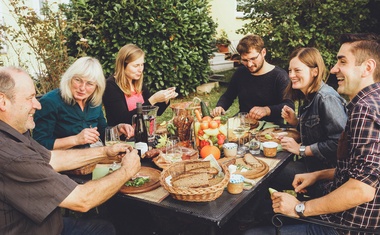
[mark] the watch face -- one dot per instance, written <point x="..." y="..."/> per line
<point x="300" y="207"/>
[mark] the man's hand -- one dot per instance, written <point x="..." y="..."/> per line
<point x="302" y="181"/>
<point x="118" y="150"/>
<point x="259" y="112"/>
<point x="126" y="129"/>
<point x="87" y="136"/>
<point x="284" y="203"/>
<point x="217" y="111"/>
<point x="131" y="162"/>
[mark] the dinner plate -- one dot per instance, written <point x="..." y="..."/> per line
<point x="154" y="181"/>
<point x="187" y="154"/>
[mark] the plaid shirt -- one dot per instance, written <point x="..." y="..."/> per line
<point x="362" y="158"/>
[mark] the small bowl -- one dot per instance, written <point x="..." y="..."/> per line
<point x="230" y="149"/>
<point x="270" y="149"/>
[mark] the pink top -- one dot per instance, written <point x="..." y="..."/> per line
<point x="133" y="100"/>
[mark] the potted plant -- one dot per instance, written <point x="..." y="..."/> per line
<point x="222" y="42"/>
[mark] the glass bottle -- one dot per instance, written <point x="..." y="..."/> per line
<point x="141" y="134"/>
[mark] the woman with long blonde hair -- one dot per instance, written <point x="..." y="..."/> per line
<point x="125" y="88"/>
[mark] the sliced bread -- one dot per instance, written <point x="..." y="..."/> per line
<point x="251" y="160"/>
<point x="197" y="164"/>
<point x="210" y="170"/>
<point x="191" y="180"/>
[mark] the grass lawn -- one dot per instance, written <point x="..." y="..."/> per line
<point x="212" y="98"/>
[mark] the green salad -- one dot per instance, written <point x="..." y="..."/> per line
<point x="137" y="182"/>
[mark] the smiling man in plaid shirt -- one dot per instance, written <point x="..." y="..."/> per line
<point x="354" y="197"/>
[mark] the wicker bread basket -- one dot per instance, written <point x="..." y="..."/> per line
<point x="200" y="194"/>
<point x="84" y="170"/>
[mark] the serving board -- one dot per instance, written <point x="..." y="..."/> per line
<point x="154" y="181"/>
<point x="274" y="132"/>
<point x="162" y="163"/>
<point x="254" y="172"/>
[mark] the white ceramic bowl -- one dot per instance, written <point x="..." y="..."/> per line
<point x="230" y="149"/>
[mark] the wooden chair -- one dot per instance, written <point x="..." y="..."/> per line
<point x="277" y="221"/>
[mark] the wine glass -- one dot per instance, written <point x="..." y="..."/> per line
<point x="240" y="128"/>
<point x="111" y="136"/>
<point x="173" y="151"/>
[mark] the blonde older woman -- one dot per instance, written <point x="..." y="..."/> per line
<point x="72" y="116"/>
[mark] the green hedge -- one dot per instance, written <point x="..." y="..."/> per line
<point x="288" y="24"/>
<point x="176" y="36"/>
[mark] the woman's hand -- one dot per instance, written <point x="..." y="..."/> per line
<point x="87" y="136"/>
<point x="163" y="96"/>
<point x="290" y="145"/>
<point x="289" y="115"/>
<point x="126" y="129"/>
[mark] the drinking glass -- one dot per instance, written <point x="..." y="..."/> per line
<point x="240" y="128"/>
<point x="173" y="151"/>
<point x="246" y="126"/>
<point x="111" y="136"/>
<point x="254" y="145"/>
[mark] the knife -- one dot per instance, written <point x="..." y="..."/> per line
<point x="262" y="127"/>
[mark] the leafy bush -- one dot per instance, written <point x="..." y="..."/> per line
<point x="45" y="36"/>
<point x="176" y="36"/>
<point x="287" y="24"/>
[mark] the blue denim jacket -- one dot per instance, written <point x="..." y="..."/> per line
<point x="321" y="121"/>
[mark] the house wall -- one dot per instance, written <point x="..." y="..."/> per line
<point x="224" y="14"/>
<point x="20" y="54"/>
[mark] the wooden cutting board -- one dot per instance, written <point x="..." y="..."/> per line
<point x="154" y="181"/>
<point x="253" y="173"/>
<point x="274" y="132"/>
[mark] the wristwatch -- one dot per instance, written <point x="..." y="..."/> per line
<point x="300" y="208"/>
<point x="302" y="151"/>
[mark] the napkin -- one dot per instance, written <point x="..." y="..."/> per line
<point x="100" y="171"/>
<point x="264" y="125"/>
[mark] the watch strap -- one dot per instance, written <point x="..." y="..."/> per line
<point x="302" y="151"/>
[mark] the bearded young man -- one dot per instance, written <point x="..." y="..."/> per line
<point x="258" y="85"/>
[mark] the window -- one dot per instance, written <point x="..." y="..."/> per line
<point x="240" y="6"/>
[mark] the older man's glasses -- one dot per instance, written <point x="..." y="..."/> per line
<point x="246" y="61"/>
